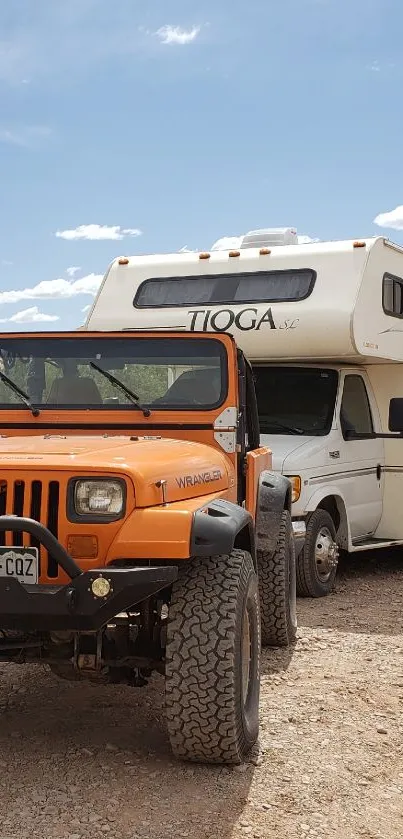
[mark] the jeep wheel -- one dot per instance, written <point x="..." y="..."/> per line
<point x="317" y="562"/>
<point x="277" y="589"/>
<point x="213" y="660"/>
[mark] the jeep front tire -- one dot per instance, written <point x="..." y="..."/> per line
<point x="213" y="660"/>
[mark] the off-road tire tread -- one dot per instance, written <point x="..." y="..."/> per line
<point x="278" y="629"/>
<point x="200" y="660"/>
<point x="308" y="582"/>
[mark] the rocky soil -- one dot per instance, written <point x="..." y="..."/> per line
<point x="79" y="761"/>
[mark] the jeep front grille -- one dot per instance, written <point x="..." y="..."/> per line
<point x="37" y="500"/>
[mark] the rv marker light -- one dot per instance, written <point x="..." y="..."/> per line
<point x="234" y="253"/>
<point x="124" y="260"/>
<point x="204" y="256"/>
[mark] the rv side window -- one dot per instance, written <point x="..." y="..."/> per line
<point x="355" y="411"/>
<point x="246" y="287"/>
<point x="392" y="292"/>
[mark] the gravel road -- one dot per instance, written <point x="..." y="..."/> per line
<point x="81" y="761"/>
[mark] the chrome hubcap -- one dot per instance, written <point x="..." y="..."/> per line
<point x="326" y="553"/>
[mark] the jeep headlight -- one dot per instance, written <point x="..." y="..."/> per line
<point x="296" y="487"/>
<point x="99" y="497"/>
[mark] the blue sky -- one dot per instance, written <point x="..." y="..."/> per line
<point x="185" y="122"/>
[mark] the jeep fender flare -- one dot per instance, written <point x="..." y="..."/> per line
<point x="274" y="496"/>
<point x="220" y="527"/>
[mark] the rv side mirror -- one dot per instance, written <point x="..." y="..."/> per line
<point x="396" y="415"/>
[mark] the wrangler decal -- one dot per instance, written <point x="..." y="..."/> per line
<point x="200" y="478"/>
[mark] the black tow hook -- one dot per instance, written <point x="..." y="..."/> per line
<point x="71" y="599"/>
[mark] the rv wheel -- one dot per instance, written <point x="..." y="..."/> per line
<point x="317" y="562"/>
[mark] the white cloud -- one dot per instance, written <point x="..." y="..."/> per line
<point x="64" y="41"/>
<point x="185" y="249"/>
<point x="32" y="315"/>
<point x="25" y="136"/>
<point x="86" y="309"/>
<point x="393" y="219"/>
<point x="6" y="262"/>
<point x="73" y="270"/>
<point x="176" y="35"/>
<point x="54" y="289"/>
<point x="98" y="232"/>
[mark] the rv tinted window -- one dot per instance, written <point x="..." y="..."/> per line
<point x="392" y="296"/>
<point x="295" y="400"/>
<point x="71" y="373"/>
<point x="248" y="287"/>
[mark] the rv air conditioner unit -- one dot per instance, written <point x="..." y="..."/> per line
<point x="270" y="237"/>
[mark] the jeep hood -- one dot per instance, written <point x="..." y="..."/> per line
<point x="190" y="469"/>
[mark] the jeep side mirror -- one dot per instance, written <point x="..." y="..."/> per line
<point x="396" y="415"/>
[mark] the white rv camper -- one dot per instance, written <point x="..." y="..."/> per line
<point x="322" y="325"/>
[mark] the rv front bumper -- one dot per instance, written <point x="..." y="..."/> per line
<point x="87" y="602"/>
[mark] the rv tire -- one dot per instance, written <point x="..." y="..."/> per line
<point x="317" y="562"/>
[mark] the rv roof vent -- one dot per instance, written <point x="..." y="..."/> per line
<point x="270" y="237"/>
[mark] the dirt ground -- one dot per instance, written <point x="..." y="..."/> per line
<point x="81" y="761"/>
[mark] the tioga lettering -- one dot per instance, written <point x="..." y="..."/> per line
<point x="200" y="478"/>
<point x="221" y="321"/>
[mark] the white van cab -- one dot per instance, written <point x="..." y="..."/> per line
<point x="322" y="325"/>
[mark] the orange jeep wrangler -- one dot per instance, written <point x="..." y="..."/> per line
<point x="141" y="528"/>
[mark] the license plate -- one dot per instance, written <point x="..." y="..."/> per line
<point x="19" y="564"/>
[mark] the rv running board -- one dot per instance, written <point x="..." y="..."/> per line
<point x="369" y="544"/>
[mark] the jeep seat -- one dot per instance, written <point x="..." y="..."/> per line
<point x="74" y="390"/>
<point x="200" y="386"/>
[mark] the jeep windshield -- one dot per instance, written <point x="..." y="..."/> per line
<point x="295" y="400"/>
<point x="110" y="373"/>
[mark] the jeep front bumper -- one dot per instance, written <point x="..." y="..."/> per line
<point x="73" y="606"/>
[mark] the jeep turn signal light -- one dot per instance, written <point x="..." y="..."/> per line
<point x="82" y="547"/>
<point x="296" y="487"/>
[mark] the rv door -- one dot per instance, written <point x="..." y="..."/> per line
<point x="361" y="459"/>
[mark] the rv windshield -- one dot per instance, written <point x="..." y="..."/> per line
<point x="112" y="373"/>
<point x="295" y="400"/>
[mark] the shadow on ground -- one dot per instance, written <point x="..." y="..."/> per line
<point x="110" y="745"/>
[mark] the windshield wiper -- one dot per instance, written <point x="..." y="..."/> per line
<point x="21" y="393"/>
<point x="129" y="393"/>
<point x="289" y="429"/>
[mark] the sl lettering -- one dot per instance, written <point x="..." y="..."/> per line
<point x="222" y="320"/>
<point x="289" y="324"/>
